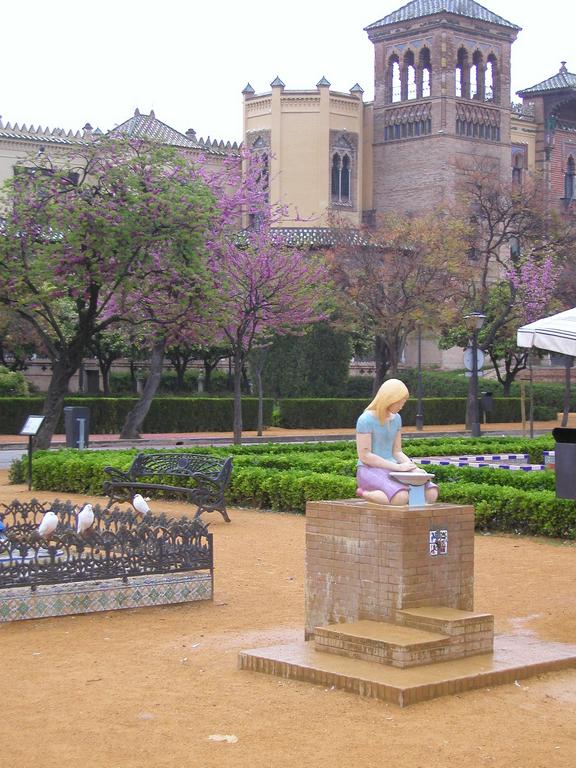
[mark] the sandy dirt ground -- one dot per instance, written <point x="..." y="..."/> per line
<point x="147" y="688"/>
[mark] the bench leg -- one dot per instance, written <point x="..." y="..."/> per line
<point x="223" y="512"/>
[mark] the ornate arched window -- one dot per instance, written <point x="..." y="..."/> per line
<point x="341" y="178"/>
<point x="335" y="175"/>
<point x="393" y="80"/>
<point x="425" y="73"/>
<point x="409" y="77"/>
<point x="492" y="80"/>
<point x="260" y="156"/>
<point x="462" y="74"/>
<point x="517" y="168"/>
<point x="345" y="179"/>
<point x="477" y="77"/>
<point x="342" y="168"/>
<point x="569" y="186"/>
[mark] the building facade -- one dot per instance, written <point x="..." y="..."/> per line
<point x="442" y="102"/>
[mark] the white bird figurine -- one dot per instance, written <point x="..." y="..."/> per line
<point x="48" y="524"/>
<point x="140" y="505"/>
<point x="85" y="519"/>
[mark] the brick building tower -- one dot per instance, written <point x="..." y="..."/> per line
<point x="552" y="105"/>
<point x="442" y="100"/>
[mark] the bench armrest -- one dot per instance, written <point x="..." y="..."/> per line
<point x="117" y="475"/>
<point x="210" y="479"/>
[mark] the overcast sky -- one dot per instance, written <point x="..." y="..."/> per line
<point x="68" y="62"/>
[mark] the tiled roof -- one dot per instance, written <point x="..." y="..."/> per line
<point x="43" y="135"/>
<point x="419" y="8"/>
<point x="140" y="126"/>
<point x="559" y="82"/>
<point x="149" y="127"/>
<point x="318" y="237"/>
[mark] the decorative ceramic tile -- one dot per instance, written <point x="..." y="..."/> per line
<point x="107" y="595"/>
<point x="438" y="542"/>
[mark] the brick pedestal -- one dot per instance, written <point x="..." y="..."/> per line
<point x="367" y="561"/>
<point x="389" y="598"/>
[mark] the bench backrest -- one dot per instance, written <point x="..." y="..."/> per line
<point x="180" y="465"/>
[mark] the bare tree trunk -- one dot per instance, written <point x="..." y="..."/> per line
<point x="259" y="357"/>
<point x="238" y="368"/>
<point x="135" y="418"/>
<point x="133" y="382"/>
<point x="62" y="372"/>
<point x="105" y="368"/>
<point x="381" y="360"/>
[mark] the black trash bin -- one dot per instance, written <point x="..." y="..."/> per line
<point x="77" y="426"/>
<point x="486" y="402"/>
<point x="565" y="462"/>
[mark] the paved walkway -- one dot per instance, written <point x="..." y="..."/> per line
<point x="276" y="434"/>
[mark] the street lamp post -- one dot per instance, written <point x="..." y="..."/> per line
<point x="419" y="414"/>
<point x="475" y="322"/>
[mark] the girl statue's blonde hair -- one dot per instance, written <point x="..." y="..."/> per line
<point x="392" y="391"/>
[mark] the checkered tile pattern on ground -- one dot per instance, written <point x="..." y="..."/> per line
<point x="513" y="461"/>
<point x="108" y="595"/>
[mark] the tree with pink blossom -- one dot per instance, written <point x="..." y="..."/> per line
<point x="83" y="247"/>
<point x="267" y="288"/>
<point x="516" y="249"/>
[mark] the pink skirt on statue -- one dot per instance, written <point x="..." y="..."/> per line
<point x="378" y="479"/>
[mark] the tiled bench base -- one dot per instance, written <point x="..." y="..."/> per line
<point x="107" y="595"/>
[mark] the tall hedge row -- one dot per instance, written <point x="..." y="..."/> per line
<point x="343" y="412"/>
<point x="167" y="414"/>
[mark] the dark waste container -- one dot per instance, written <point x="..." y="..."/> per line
<point x="77" y="426"/>
<point x="565" y="461"/>
<point x="486" y="402"/>
<point x="92" y="382"/>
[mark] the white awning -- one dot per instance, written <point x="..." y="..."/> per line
<point x="556" y="333"/>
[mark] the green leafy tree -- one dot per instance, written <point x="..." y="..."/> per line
<point x="404" y="273"/>
<point x="515" y="252"/>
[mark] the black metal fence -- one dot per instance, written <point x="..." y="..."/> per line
<point x="118" y="545"/>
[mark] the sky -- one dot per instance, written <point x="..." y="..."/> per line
<point x="66" y="63"/>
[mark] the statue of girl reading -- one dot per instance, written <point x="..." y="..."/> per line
<point x="379" y="446"/>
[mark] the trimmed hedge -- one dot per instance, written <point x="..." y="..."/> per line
<point x="167" y="414"/>
<point x="285" y="477"/>
<point x="332" y="413"/>
<point x="12" y="383"/>
<point x="121" y="383"/>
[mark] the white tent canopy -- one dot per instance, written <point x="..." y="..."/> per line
<point x="556" y="333"/>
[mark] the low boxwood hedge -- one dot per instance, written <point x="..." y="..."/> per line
<point x="285" y="477"/>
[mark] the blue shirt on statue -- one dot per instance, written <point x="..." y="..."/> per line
<point x="383" y="435"/>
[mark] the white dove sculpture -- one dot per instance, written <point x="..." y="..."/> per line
<point x="140" y="504"/>
<point x="48" y="524"/>
<point x="85" y="519"/>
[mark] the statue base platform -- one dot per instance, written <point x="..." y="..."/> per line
<point x="514" y="658"/>
<point x="389" y="608"/>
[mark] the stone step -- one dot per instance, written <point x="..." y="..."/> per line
<point x="383" y="642"/>
<point x="469" y="632"/>
<point x="514" y="658"/>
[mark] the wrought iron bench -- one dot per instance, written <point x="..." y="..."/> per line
<point x="158" y="471"/>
